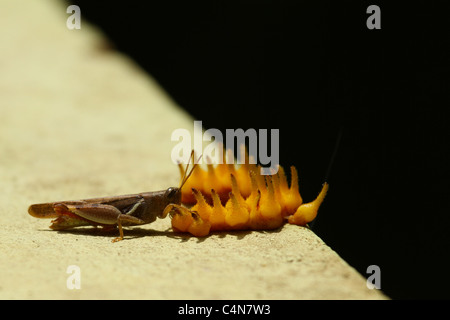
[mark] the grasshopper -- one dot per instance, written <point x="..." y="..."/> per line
<point x="124" y="210"/>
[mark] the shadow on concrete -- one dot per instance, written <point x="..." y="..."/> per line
<point x="136" y="232"/>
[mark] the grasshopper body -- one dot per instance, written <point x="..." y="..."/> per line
<point x="125" y="210"/>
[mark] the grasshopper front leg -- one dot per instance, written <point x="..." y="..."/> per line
<point x="95" y="213"/>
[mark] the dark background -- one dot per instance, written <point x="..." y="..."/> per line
<point x="312" y="69"/>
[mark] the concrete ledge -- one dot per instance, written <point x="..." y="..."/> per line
<point x="80" y="121"/>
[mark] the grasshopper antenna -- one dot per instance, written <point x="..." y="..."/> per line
<point x="185" y="170"/>
<point x="330" y="165"/>
<point x="187" y="175"/>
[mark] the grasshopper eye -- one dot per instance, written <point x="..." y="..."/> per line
<point x="170" y="192"/>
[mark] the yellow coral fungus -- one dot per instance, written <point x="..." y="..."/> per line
<point x="226" y="198"/>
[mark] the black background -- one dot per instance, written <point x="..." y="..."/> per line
<point x="312" y="69"/>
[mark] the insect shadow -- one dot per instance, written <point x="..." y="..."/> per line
<point x="136" y="232"/>
<point x="132" y="233"/>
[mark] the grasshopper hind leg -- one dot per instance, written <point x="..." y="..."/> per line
<point x="128" y="218"/>
<point x="119" y="238"/>
<point x="95" y="214"/>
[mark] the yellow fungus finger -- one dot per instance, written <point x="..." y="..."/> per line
<point x="218" y="213"/>
<point x="235" y="190"/>
<point x="292" y="198"/>
<point x="181" y="219"/>
<point x="237" y="214"/>
<point x="198" y="227"/>
<point x="185" y="220"/>
<point x="202" y="207"/>
<point x="269" y="208"/>
<point x="307" y="212"/>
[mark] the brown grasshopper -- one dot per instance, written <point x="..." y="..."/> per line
<point x="125" y="210"/>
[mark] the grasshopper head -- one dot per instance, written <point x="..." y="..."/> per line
<point x="173" y="195"/>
